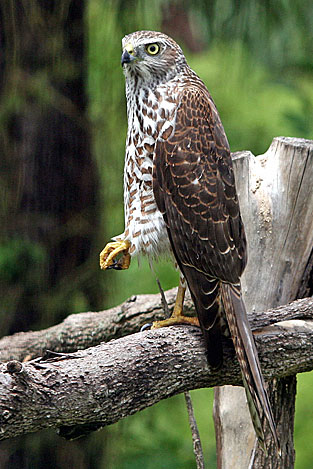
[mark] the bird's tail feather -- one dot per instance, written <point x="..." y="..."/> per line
<point x="247" y="355"/>
<point x="205" y="292"/>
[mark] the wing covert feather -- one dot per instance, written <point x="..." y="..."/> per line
<point x="194" y="188"/>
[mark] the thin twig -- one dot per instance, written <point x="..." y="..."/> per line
<point x="197" y="447"/>
<point x="163" y="299"/>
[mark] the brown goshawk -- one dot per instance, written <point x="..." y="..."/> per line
<point x="180" y="197"/>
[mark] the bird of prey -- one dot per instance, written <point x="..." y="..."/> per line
<point x="180" y="197"/>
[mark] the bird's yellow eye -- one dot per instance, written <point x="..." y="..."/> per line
<point x="153" y="49"/>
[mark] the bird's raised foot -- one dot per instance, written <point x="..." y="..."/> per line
<point x="111" y="251"/>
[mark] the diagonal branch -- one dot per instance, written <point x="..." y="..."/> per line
<point x="83" y="330"/>
<point x="102" y="384"/>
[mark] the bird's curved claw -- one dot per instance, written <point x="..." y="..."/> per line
<point x="146" y="327"/>
<point x="116" y="266"/>
<point x="111" y="251"/>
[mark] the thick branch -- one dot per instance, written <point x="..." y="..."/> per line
<point x="103" y="384"/>
<point x="83" y="330"/>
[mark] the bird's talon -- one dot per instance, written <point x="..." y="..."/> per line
<point x="146" y="327"/>
<point x="111" y="251"/>
<point x="112" y="266"/>
<point x="176" y="320"/>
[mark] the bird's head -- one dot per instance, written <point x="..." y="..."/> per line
<point x="151" y="56"/>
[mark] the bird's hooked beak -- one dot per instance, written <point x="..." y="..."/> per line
<point x="128" y="54"/>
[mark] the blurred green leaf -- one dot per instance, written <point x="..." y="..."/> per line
<point x="21" y="261"/>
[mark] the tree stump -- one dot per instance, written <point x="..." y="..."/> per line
<point x="276" y="201"/>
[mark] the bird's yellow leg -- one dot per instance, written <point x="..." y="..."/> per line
<point x="177" y="315"/>
<point x="111" y="251"/>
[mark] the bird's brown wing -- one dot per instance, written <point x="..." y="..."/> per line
<point x="194" y="188"/>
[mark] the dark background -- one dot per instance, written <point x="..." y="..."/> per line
<point x="62" y="134"/>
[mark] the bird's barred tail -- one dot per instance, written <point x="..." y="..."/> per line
<point x="205" y="292"/>
<point x="257" y="397"/>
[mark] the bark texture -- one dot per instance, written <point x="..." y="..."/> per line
<point x="79" y="331"/>
<point x="82" y="330"/>
<point x="104" y="383"/>
<point x="98" y="386"/>
<point x="276" y="203"/>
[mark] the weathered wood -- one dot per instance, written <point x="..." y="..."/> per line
<point x="197" y="446"/>
<point x="68" y="392"/>
<point x="282" y="394"/>
<point x="276" y="200"/>
<point x="102" y="384"/>
<point x="82" y="330"/>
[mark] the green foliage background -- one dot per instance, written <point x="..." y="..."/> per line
<point x="262" y="85"/>
<point x="256" y="59"/>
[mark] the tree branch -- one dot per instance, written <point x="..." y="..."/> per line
<point x="197" y="446"/>
<point x="83" y="330"/>
<point x="101" y="385"/>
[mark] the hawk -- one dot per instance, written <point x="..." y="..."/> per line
<point x="180" y="197"/>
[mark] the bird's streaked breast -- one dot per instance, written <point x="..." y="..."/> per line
<point x="150" y="115"/>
